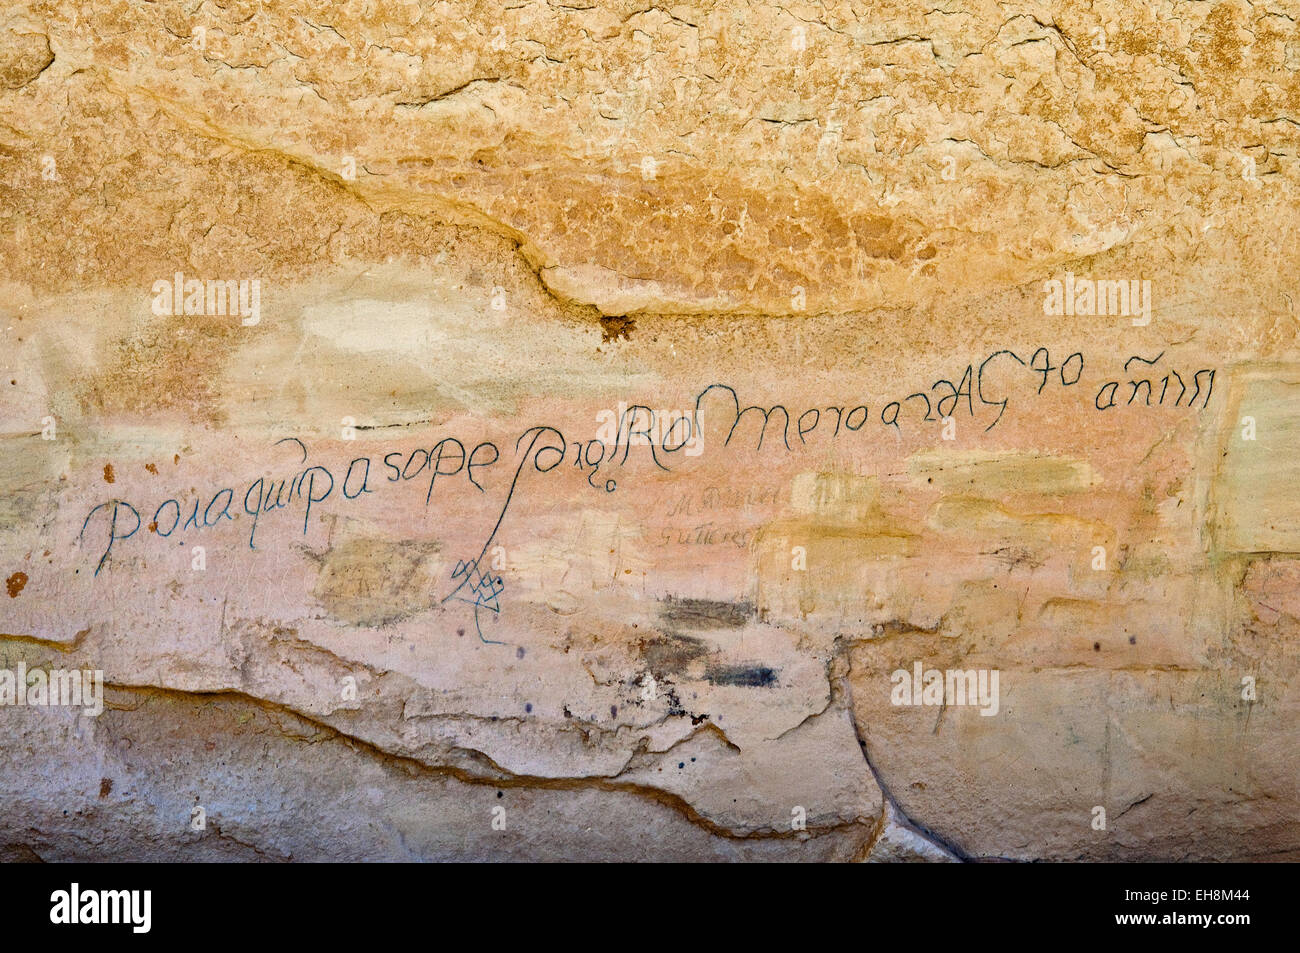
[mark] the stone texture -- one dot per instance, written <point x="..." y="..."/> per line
<point x="471" y="222"/>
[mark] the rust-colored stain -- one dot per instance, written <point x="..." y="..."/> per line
<point x="151" y="468"/>
<point x="108" y="473"/>
<point x="613" y="328"/>
<point x="105" y="786"/>
<point x="153" y="527"/>
<point x="15" y="584"/>
<point x="176" y="458"/>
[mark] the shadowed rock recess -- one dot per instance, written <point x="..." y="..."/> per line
<point x="706" y="431"/>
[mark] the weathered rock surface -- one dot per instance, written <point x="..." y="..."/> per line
<point x="494" y="243"/>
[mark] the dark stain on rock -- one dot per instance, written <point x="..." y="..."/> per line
<point x="613" y="328"/>
<point x="672" y="653"/>
<point x="108" y="473"/>
<point x="15" y="584"/>
<point x="741" y="676"/>
<point x="705" y="613"/>
<point x="152" y="468"/>
<point x="105" y="786"/>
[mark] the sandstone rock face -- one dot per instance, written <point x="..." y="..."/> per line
<point x="846" y="432"/>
